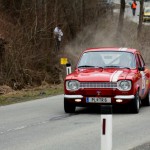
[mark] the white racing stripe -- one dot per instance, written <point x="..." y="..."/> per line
<point x="120" y="49"/>
<point x="123" y="49"/>
<point x="114" y="77"/>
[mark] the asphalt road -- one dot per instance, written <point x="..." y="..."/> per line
<point x="43" y="125"/>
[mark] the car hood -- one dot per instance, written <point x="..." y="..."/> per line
<point x="97" y="74"/>
<point x="147" y="14"/>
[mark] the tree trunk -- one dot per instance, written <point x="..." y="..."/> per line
<point x="83" y="15"/>
<point x="121" y="17"/>
<point x="140" y="19"/>
<point x="45" y="15"/>
<point x="36" y="18"/>
<point x="56" y="12"/>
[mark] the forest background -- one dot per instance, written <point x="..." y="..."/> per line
<point x="28" y="60"/>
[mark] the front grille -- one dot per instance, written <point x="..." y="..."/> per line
<point x="98" y="84"/>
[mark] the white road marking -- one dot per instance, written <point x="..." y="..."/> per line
<point x="52" y="118"/>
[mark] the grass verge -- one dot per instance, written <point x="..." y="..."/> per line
<point x="30" y="94"/>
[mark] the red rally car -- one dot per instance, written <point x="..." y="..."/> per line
<point x="109" y="76"/>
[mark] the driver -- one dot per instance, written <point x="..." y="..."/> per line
<point x="125" y="61"/>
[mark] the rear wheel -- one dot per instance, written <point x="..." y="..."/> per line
<point x="135" y="105"/>
<point x="68" y="107"/>
<point x="146" y="101"/>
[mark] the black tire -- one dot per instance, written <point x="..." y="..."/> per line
<point x="146" y="101"/>
<point x="135" y="104"/>
<point x="68" y="107"/>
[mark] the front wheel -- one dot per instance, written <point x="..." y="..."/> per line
<point x="135" y="104"/>
<point x="68" y="107"/>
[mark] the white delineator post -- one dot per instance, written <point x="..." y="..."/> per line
<point x="106" y="127"/>
<point x="68" y="68"/>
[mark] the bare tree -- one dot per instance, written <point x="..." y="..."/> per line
<point x="30" y="51"/>
<point x="83" y="12"/>
<point x="121" y="17"/>
<point x="140" y="19"/>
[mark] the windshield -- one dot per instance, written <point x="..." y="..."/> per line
<point x="107" y="59"/>
<point x="147" y="10"/>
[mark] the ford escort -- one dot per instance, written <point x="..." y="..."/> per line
<point x="108" y="76"/>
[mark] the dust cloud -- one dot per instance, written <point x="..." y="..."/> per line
<point x="99" y="34"/>
<point x="103" y="33"/>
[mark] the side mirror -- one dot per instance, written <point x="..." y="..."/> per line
<point x="141" y="68"/>
<point x="68" y="68"/>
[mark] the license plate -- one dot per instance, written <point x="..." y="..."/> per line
<point x="98" y="100"/>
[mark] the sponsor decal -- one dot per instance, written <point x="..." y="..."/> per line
<point x="143" y="81"/>
<point x="147" y="82"/>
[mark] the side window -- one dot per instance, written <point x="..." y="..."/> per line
<point x="138" y="63"/>
<point x="141" y="61"/>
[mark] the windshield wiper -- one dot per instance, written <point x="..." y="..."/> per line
<point x="88" y="66"/>
<point x="111" y="66"/>
<point x="124" y="67"/>
<point x="84" y="66"/>
<point x="116" y="67"/>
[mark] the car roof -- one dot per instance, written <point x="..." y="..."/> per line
<point x="131" y="50"/>
<point x="146" y="8"/>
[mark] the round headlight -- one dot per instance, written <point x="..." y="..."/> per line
<point x="124" y="85"/>
<point x="72" y="85"/>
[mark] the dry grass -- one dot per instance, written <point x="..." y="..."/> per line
<point x="27" y="94"/>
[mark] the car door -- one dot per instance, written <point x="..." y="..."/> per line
<point x="145" y="76"/>
<point x="140" y="76"/>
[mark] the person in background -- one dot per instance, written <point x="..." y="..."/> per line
<point x="58" y="37"/>
<point x="133" y="7"/>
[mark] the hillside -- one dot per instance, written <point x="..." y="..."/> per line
<point x="27" y="27"/>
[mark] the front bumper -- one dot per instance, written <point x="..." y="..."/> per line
<point x="146" y="18"/>
<point x="124" y="97"/>
<point x="73" y="96"/>
<point x="81" y="100"/>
